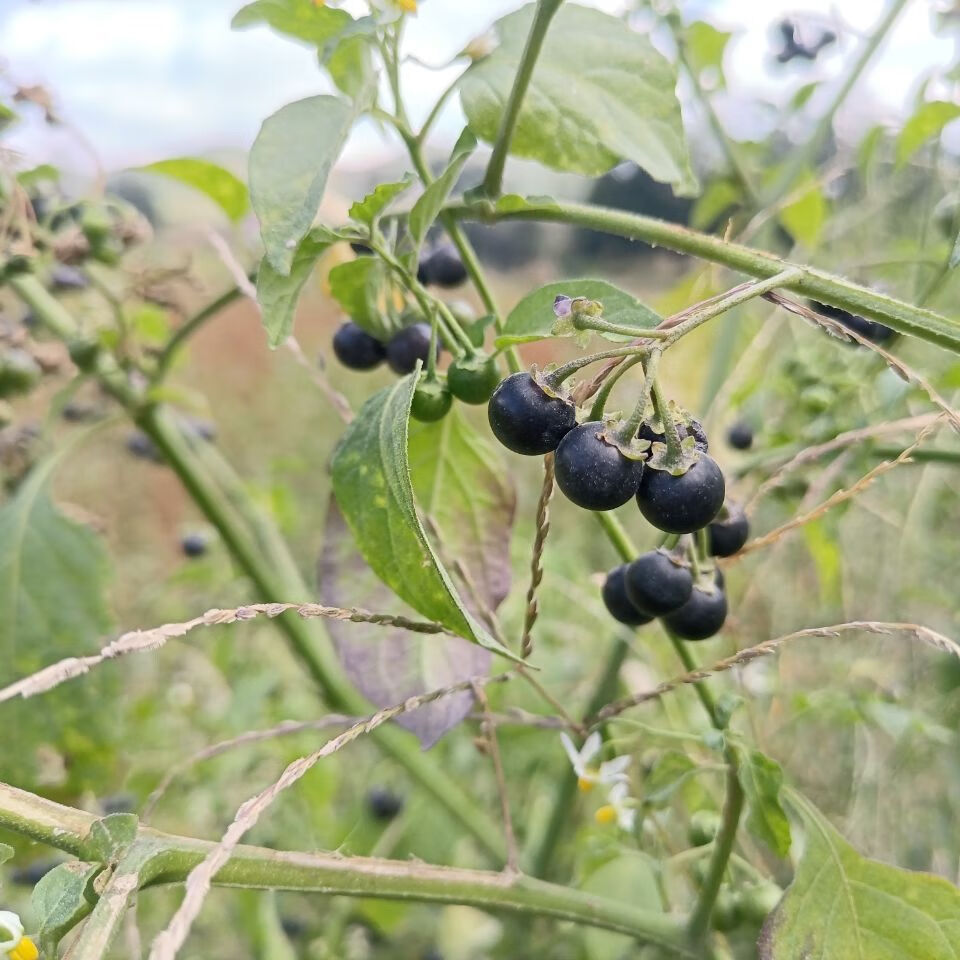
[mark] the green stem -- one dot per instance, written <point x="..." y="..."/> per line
<point x="165" y="858"/>
<point x="493" y="178"/>
<point x="600" y="402"/>
<point x="670" y="435"/>
<point x="805" y="155"/>
<point x="630" y="427"/>
<point x="437" y="107"/>
<point x="817" y="284"/>
<point x="585" y="322"/>
<point x="556" y="376"/>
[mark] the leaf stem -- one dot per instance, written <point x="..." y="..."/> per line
<point x="630" y="427"/>
<point x="493" y="178"/>
<point x="600" y="403"/>
<point x="670" y="435"/>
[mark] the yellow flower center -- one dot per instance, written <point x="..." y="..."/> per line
<point x="605" y="814"/>
<point x="26" y="949"/>
<point x="410" y="6"/>
<point x="584" y="784"/>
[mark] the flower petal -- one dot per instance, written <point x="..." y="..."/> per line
<point x="572" y="754"/>
<point x="591" y="747"/>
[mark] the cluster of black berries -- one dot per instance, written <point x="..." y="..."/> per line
<point x="597" y="471"/>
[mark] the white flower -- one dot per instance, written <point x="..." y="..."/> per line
<point x="13" y="943"/>
<point x="619" y="808"/>
<point x="608" y="773"/>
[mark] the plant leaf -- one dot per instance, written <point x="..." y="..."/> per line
<point x="278" y="294"/>
<point x="925" y="124"/>
<point x="6" y="853"/>
<point x="289" y="164"/>
<point x="427" y="207"/>
<point x="360" y="287"/>
<point x="219" y="184"/>
<point x="532" y="318"/>
<point x="842" y="906"/>
<point x="368" y="209"/>
<point x="762" y="779"/>
<point x="805" y="217"/>
<point x="61" y="899"/>
<point x="111" y="837"/>
<point x="670" y="771"/>
<point x="600" y="93"/>
<point x="371" y="481"/>
<point x="705" y="47"/>
<point x="385" y="663"/>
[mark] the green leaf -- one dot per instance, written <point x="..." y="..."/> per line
<point x="800" y="99"/>
<point x="955" y="254"/>
<point x="278" y="294"/>
<point x="532" y="318"/>
<point x="630" y="878"/>
<point x="38" y="174"/>
<point x="717" y="198"/>
<point x="374" y="203"/>
<point x="842" y="906"/>
<point x="7" y="116"/>
<point x="219" y="184"/>
<point x="705" y="46"/>
<point x="513" y="202"/>
<point x="805" y="217"/>
<point x="111" y="837"/>
<point x="925" y="124"/>
<point x="600" y="93"/>
<point x="762" y="779"/>
<point x="289" y="164"/>
<point x="669" y="773"/>
<point x="61" y="899"/>
<point x="360" y="287"/>
<point x="425" y="210"/>
<point x="371" y="481"/>
<point x="349" y="61"/>
<point x="305" y="20"/>
<point x="6" y="853"/>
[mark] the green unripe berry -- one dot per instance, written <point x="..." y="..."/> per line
<point x="704" y="827"/>
<point x="727" y="913"/>
<point x="431" y="401"/>
<point x="473" y="378"/>
<point x="18" y="373"/>
<point x="759" y="901"/>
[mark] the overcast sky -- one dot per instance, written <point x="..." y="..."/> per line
<point x="149" y="79"/>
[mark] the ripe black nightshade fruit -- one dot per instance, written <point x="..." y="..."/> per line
<point x="868" y="329"/>
<point x="356" y="349"/>
<point x="740" y="436"/>
<point x="729" y="532"/>
<point x="383" y="803"/>
<point x="473" y="378"/>
<point x="525" y="419"/>
<point x="194" y="545"/>
<point x="431" y="401"/>
<point x="442" y="267"/>
<point x="701" y="616"/>
<point x="360" y="249"/>
<point x="618" y="603"/>
<point x="682" y="504"/>
<point x="408" y="346"/>
<point x="695" y="430"/>
<point x="656" y="584"/>
<point x="32" y="873"/>
<point x="593" y="473"/>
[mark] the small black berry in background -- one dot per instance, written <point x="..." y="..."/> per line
<point x="293" y="927"/>
<point x="593" y="473"/>
<point x="431" y="401"/>
<point x="383" y="803"/>
<point x="682" y="504"/>
<point x="704" y="827"/>
<point x="618" y="603"/>
<point x="473" y="378"/>
<point x="701" y="616"/>
<point x="868" y="329"/>
<point x="432" y="954"/>
<point x="356" y="349"/>
<point x="656" y="583"/>
<point x="740" y="436"/>
<point x="525" y="419"/>
<point x="729" y="532"/>
<point x="117" y="803"/>
<point x="75" y="412"/>
<point x="408" y="346"/>
<point x="141" y="446"/>
<point x="203" y="429"/>
<point x="31" y="874"/>
<point x="360" y="249"/>
<point x="443" y="267"/>
<point x="63" y="277"/>
<point x="194" y="545"/>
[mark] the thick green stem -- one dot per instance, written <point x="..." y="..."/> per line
<point x="600" y="402"/>
<point x="164" y="858"/>
<point x="670" y="435"/>
<point x="817" y="284"/>
<point x="630" y="427"/>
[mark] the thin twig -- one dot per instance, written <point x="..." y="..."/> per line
<point x="493" y="747"/>
<point x="741" y="658"/>
<point x="841" y="495"/>
<point x="141" y="641"/>
<point x="167" y="943"/>
<point x="536" y="565"/>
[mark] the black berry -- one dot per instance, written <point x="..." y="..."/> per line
<point x="525" y="419"/>
<point x="431" y="401"/>
<point x="868" y="329"/>
<point x="656" y="583"/>
<point x="618" y="603"/>
<point x="740" y="436"/>
<point x="360" y="249"/>
<point x="383" y="803"/>
<point x="203" y="429"/>
<point x="356" y="349"/>
<point x="63" y="277"/>
<point x="31" y="874"/>
<point x="701" y="616"/>
<point x="695" y="430"/>
<point x="682" y="504"/>
<point x="118" y="803"/>
<point x="729" y="532"/>
<point x="408" y="346"/>
<point x="194" y="545"/>
<point x="142" y="447"/>
<point x="592" y="472"/>
<point x="442" y="267"/>
<point x="473" y="378"/>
